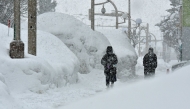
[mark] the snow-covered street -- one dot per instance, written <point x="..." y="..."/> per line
<point x="89" y="85"/>
<point x="167" y="92"/>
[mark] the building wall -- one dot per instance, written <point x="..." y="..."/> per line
<point x="185" y="43"/>
<point x="186" y="30"/>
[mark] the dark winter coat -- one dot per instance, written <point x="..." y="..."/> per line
<point x="149" y="63"/>
<point x="108" y="61"/>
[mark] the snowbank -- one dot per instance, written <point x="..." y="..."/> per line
<point x="4" y="93"/>
<point x="166" y="92"/>
<point x="89" y="46"/>
<point x="6" y="101"/>
<point x="127" y="57"/>
<point x="54" y="66"/>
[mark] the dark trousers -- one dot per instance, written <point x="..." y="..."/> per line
<point x="110" y="75"/>
<point x="149" y="72"/>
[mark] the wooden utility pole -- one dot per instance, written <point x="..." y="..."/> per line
<point x="92" y="14"/>
<point x="17" y="19"/>
<point x="32" y="27"/>
<point x="129" y="20"/>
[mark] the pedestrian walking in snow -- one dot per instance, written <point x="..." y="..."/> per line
<point x="150" y="63"/>
<point x="109" y="61"/>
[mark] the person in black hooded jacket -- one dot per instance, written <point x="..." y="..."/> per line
<point x="109" y="61"/>
<point x="150" y="63"/>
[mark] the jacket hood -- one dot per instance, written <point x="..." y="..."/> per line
<point x="109" y="50"/>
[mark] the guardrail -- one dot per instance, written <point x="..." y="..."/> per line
<point x="179" y="65"/>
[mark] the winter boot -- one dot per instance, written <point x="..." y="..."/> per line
<point x="112" y="84"/>
<point x="107" y="83"/>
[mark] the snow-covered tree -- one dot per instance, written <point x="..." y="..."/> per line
<point x="46" y="6"/>
<point x="134" y="38"/>
<point x="7" y="10"/>
<point x="170" y="26"/>
<point x="135" y="33"/>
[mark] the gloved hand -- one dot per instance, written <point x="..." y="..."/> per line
<point x="114" y="65"/>
<point x="108" y="65"/>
